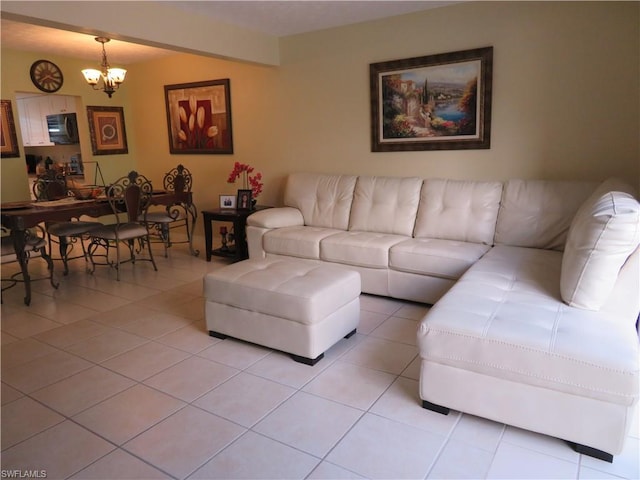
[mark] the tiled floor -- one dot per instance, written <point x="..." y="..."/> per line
<point x="114" y="380"/>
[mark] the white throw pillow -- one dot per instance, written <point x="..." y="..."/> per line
<point x="604" y="232"/>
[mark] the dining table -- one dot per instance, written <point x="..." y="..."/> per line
<point x="19" y="217"/>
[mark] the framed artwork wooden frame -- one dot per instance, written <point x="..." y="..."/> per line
<point x="8" y="138"/>
<point x="228" y="202"/>
<point x="436" y="102"/>
<point x="199" y="117"/>
<point x="107" y="130"/>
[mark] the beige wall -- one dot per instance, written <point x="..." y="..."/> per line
<point x="565" y="91"/>
<point x="15" y="78"/>
<point x="566" y="98"/>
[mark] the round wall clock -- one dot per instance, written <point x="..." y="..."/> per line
<point x="46" y="75"/>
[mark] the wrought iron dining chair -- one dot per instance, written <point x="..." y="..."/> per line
<point x="69" y="234"/>
<point x="129" y="198"/>
<point x="182" y="212"/>
<point x="34" y="246"/>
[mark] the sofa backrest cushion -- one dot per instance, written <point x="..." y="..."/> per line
<point x="385" y="205"/>
<point x="458" y="210"/>
<point x="603" y="234"/>
<point x="324" y="200"/>
<point x="538" y="213"/>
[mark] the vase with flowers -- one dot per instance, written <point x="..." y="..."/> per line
<point x="249" y="179"/>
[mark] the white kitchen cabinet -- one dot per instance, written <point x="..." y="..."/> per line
<point x="60" y="104"/>
<point x="33" y="112"/>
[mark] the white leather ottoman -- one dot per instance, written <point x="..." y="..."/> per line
<point x="296" y="307"/>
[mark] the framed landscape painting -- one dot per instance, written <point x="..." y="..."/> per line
<point x="437" y="102"/>
<point x="199" y="117"/>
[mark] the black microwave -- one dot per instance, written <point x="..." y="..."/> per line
<point x="63" y="128"/>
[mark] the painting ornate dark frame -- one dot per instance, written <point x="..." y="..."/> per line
<point x="199" y="117"/>
<point x="9" y="140"/>
<point x="436" y="102"/>
<point x="107" y="131"/>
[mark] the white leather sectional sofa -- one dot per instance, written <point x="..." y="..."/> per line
<point x="535" y="287"/>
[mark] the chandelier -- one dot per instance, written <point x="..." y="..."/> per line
<point x="111" y="77"/>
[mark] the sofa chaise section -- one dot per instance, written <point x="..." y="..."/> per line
<point x="507" y="343"/>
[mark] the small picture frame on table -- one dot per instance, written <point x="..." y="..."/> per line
<point x="227" y="202"/>
<point x="244" y="200"/>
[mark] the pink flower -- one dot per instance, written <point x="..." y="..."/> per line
<point x="249" y="181"/>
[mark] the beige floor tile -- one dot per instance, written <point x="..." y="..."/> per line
<point x="268" y="459"/>
<point x="192" y="338"/>
<point x="235" y="353"/>
<point x="478" y="432"/>
<point x="309" y="423"/>
<point x="72" y="333"/>
<point x="59" y="452"/>
<point x="63" y="311"/>
<point x="280" y="368"/>
<point x="120" y="465"/>
<point x="27" y="324"/>
<point x="412" y="311"/>
<point x="401" y="403"/>
<point x="89" y="298"/>
<point x="120" y="316"/>
<point x="184" y="441"/>
<point x="327" y="470"/>
<point x="461" y="461"/>
<point x="82" y="390"/>
<point x="127" y="414"/>
<point x="245" y="399"/>
<point x="23" y="351"/>
<point x="6" y="339"/>
<point x="413" y="369"/>
<point x="145" y="361"/>
<point x="163" y="300"/>
<point x="377" y="447"/>
<point x="155" y="325"/>
<point x="24" y="418"/>
<point x="105" y="346"/>
<point x="380" y="354"/>
<point x="191" y="378"/>
<point x="397" y="329"/>
<point x="9" y="394"/>
<point x="369" y="321"/>
<point x="510" y="459"/>
<point x="374" y="303"/>
<point x="44" y="371"/>
<point x="349" y="384"/>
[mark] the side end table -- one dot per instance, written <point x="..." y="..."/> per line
<point x="238" y="218"/>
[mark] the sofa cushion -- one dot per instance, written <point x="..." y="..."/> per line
<point x="538" y="213"/>
<point x="604" y="232"/>
<point x="302" y="242"/>
<point x="504" y="318"/>
<point x="276" y="218"/>
<point x="323" y="200"/>
<point x="435" y="257"/>
<point x="458" y="210"/>
<point x="385" y="205"/>
<point x="364" y="249"/>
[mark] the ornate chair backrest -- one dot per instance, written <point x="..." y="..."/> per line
<point x="179" y="182"/>
<point x="50" y="186"/>
<point x="130" y="194"/>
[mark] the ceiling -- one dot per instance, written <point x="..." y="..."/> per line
<point x="277" y="18"/>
